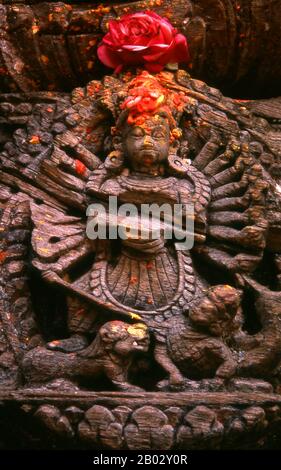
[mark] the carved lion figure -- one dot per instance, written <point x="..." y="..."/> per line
<point x="199" y="344"/>
<point x="110" y="354"/>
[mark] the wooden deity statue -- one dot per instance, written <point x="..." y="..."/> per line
<point x="177" y="301"/>
<point x="149" y="279"/>
<point x="170" y="310"/>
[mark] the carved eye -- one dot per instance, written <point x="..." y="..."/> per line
<point x="137" y="132"/>
<point x="159" y="134"/>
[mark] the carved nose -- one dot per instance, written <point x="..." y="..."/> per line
<point x="148" y="140"/>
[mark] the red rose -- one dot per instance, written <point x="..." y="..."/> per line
<point x="142" y="38"/>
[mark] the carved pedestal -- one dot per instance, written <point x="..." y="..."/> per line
<point x="182" y="421"/>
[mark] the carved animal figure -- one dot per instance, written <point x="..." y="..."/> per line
<point x="199" y="344"/>
<point x="110" y="354"/>
<point x="211" y="342"/>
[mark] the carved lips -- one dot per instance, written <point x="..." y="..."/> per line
<point x="142" y="38"/>
<point x="149" y="156"/>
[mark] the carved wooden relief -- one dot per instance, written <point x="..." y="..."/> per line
<point x="133" y="343"/>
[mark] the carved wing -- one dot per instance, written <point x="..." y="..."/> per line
<point x="59" y="241"/>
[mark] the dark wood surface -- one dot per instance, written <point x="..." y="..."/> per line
<point x="233" y="44"/>
<point x="182" y="421"/>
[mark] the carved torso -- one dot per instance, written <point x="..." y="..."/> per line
<point x="145" y="275"/>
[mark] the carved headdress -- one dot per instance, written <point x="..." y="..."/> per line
<point x="133" y="100"/>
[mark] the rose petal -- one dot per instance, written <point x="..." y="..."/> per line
<point x="124" y="29"/>
<point x="107" y="56"/>
<point x="131" y="57"/>
<point x="118" y="69"/>
<point x="167" y="31"/>
<point x="133" y="47"/>
<point x="154" y="67"/>
<point x="152" y="14"/>
<point x="142" y="14"/>
<point x="161" y="37"/>
<point x="158" y="46"/>
<point x="109" y="41"/>
<point x="155" y="52"/>
<point x="114" y="33"/>
<point x="181" y="48"/>
<point x="176" y="52"/>
<point x="139" y="40"/>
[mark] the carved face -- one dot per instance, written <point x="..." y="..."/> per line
<point x="124" y="339"/>
<point x="131" y="344"/>
<point x="217" y="313"/>
<point x="207" y="317"/>
<point x="147" y="147"/>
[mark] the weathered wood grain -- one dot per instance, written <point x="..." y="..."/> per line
<point x="233" y="43"/>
